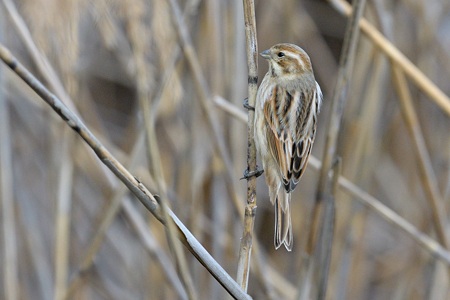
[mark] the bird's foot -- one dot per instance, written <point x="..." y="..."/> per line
<point x="249" y="174"/>
<point x="247" y="106"/>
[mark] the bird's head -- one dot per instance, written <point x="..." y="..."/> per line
<point x="287" y="60"/>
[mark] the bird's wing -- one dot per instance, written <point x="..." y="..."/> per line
<point x="289" y="142"/>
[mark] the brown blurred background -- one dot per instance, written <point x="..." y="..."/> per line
<point x="110" y="59"/>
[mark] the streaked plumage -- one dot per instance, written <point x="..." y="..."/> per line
<point x="287" y="104"/>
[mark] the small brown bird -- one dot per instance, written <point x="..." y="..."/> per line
<point x="287" y="104"/>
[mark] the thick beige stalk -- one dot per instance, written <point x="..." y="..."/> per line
<point x="245" y="249"/>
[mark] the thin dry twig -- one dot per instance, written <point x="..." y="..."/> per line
<point x="230" y="108"/>
<point x="245" y="249"/>
<point x="136" y="187"/>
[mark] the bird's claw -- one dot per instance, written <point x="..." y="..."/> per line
<point x="247" y="106"/>
<point x="249" y="174"/>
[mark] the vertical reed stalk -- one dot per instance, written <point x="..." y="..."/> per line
<point x="250" y="209"/>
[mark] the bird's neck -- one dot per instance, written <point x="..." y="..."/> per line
<point x="294" y="81"/>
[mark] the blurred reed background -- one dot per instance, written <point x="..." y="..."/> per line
<point x="69" y="228"/>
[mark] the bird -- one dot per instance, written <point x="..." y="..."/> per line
<point x="287" y="105"/>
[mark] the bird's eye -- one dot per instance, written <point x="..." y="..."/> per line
<point x="280" y="54"/>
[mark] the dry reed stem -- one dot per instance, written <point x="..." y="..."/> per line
<point x="323" y="211"/>
<point x="52" y="78"/>
<point x="147" y="238"/>
<point x="230" y="108"/>
<point x="260" y="269"/>
<point x="245" y="249"/>
<point x="303" y="291"/>
<point x="151" y="244"/>
<point x="136" y="187"/>
<point x="144" y="78"/>
<point x="42" y="63"/>
<point x="169" y="69"/>
<point x="38" y="57"/>
<point x="271" y="278"/>
<point x="427" y="174"/>
<point x="327" y="232"/>
<point x="338" y="101"/>
<point x="154" y="158"/>
<point x="8" y="224"/>
<point x="422" y="81"/>
<point x="360" y="157"/>
<point x="64" y="203"/>
<point x="205" y="100"/>
<point x="109" y="213"/>
<point x="392" y="217"/>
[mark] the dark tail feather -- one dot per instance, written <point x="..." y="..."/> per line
<point x="283" y="224"/>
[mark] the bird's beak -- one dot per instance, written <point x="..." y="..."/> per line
<point x="265" y="54"/>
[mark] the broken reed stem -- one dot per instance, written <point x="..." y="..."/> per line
<point x="245" y="249"/>
<point x="427" y="174"/>
<point x="134" y="185"/>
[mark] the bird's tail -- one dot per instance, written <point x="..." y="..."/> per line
<point x="283" y="224"/>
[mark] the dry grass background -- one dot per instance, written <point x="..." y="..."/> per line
<point x="69" y="229"/>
